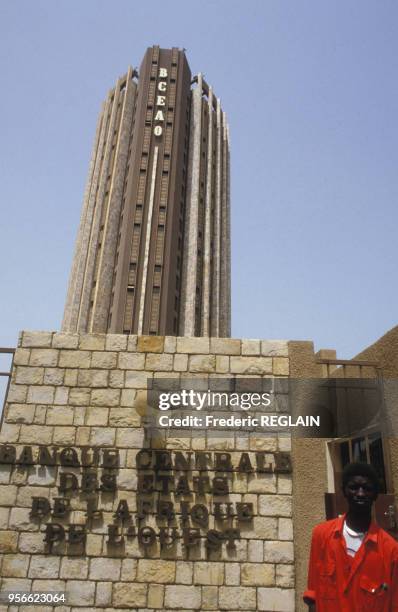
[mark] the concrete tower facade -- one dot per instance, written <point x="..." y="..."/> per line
<point x="152" y="254"/>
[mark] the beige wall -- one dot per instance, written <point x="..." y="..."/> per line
<point x="80" y="390"/>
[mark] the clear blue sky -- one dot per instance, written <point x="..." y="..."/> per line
<point x="310" y="89"/>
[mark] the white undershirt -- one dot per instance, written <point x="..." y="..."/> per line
<point x="353" y="539"/>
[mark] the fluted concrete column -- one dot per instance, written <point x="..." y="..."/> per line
<point x="96" y="219"/>
<point x="189" y="276"/>
<point x="215" y="328"/>
<point x="103" y="289"/>
<point x="207" y="225"/>
<point x="225" y="276"/>
<point x="72" y="308"/>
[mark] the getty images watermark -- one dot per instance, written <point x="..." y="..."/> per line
<point x="210" y="403"/>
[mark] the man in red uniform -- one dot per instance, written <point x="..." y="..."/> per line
<point x="353" y="562"/>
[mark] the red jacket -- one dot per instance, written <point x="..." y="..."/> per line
<point x="340" y="583"/>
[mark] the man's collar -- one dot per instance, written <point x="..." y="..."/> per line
<point x="372" y="533"/>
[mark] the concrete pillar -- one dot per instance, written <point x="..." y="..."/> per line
<point x="189" y="275"/>
<point x="102" y="296"/>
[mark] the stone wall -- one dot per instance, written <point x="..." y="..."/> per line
<point x="89" y="390"/>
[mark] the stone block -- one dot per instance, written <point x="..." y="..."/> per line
<point x="137" y="379"/>
<point x="59" y="415"/>
<point x="275" y="505"/>
<point x="94" y="545"/>
<point x="20" y="413"/>
<point x="9" y="433"/>
<point x="251" y="365"/>
<point x="40" y="394"/>
<point x="129" y="595"/>
<point x="159" y="363"/>
<point x="92" y="342"/>
<point x="115" y="342"/>
<point x="15" y="566"/>
<point x="285" y="529"/>
<point x="54" y="376"/>
<point x="103" y="595"/>
<point x="22" y="585"/>
<point x="44" y="566"/>
<point x="44" y="357"/>
<point x="180" y="362"/>
<point x="104" y="360"/>
<point x="97" y="416"/>
<point x="222" y="364"/>
<point x="124" y="417"/>
<point x="64" y="340"/>
<point x="105" y="569"/>
<point x="83" y="436"/>
<point x="170" y="344"/>
<point x="80" y="396"/>
<point x="225" y="346"/>
<point x="156" y="571"/>
<point x="278" y="552"/>
<point x="21" y="357"/>
<point x="35" y="434"/>
<point x="280" y="366"/>
<point x="202" y="363"/>
<point x="232" y="574"/>
<point x="32" y="543"/>
<point x="80" y="593"/>
<point x="284" y="576"/>
<point x="72" y="567"/>
<point x="116" y="378"/>
<point x="128" y="398"/>
<point x="257" y="574"/>
<point x="131" y="361"/>
<point x="74" y="359"/>
<point x="184" y="572"/>
<point x="25" y="494"/>
<point x="20" y="520"/>
<point x="261" y="443"/>
<point x="281" y="600"/>
<point x="285" y="484"/>
<point x="61" y="396"/>
<point x="4" y="513"/>
<point x="70" y="379"/>
<point x="255" y="551"/>
<point x="193" y="345"/>
<point x="237" y="598"/>
<point x="92" y="378"/>
<point x="263" y="527"/>
<point x="251" y="347"/>
<point x="285" y="444"/>
<point x="132" y="343"/>
<point x="155" y="596"/>
<point x="178" y="596"/>
<point x="8" y="540"/>
<point x="17" y="393"/>
<point x="130" y="438"/>
<point x="36" y="339"/>
<point x="105" y="397"/>
<point x="102" y="436"/>
<point x="274" y="348"/>
<point x="209" y="598"/>
<point x="262" y="483"/>
<point x="210" y="573"/>
<point x="64" y="436"/>
<point x="29" y="375"/>
<point x="129" y="570"/>
<point x="150" y="344"/>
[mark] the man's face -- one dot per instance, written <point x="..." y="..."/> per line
<point x="360" y="493"/>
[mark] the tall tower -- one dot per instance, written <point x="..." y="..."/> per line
<point x="152" y="253"/>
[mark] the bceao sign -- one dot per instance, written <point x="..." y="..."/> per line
<point x="160" y="101"/>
